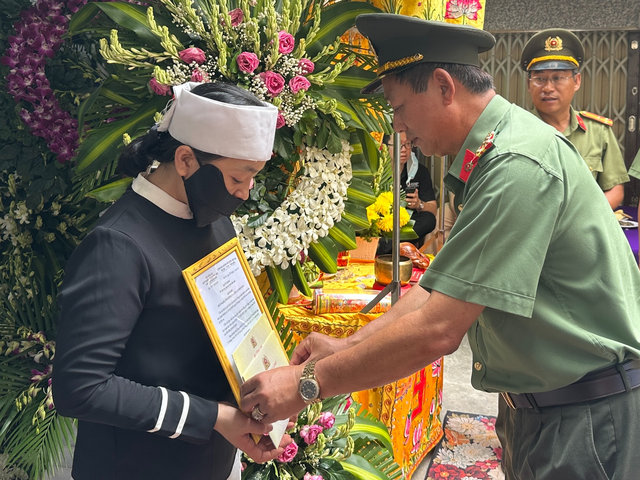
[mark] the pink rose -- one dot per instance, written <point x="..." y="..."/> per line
<point x="280" y="122"/>
<point x="237" y="17"/>
<point x="273" y="81"/>
<point x="290" y="451"/>
<point x="247" y="62"/>
<point x="327" y="419"/>
<point x="197" y="76"/>
<point x="159" y="88"/>
<point x="287" y="42"/>
<point x="298" y="83"/>
<point x="192" y="54"/>
<point x="309" y="433"/>
<point x="308" y="476"/>
<point x="306" y="65"/>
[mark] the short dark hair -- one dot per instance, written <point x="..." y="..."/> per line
<point x="161" y="146"/>
<point x="473" y="78"/>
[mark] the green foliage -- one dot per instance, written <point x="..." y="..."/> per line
<point x="40" y="224"/>
<point x="356" y="447"/>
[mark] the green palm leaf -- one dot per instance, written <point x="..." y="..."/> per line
<point x="337" y="19"/>
<point x="281" y="281"/>
<point x="324" y="253"/>
<point x="344" y="233"/>
<point x="357" y="215"/>
<point x="111" y="191"/>
<point x="362" y="470"/>
<point x="132" y="17"/>
<point x="360" y="192"/>
<point x="102" y="146"/>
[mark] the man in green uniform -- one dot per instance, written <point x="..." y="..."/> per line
<point x="552" y="59"/>
<point x="536" y="271"/>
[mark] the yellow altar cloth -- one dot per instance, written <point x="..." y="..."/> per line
<point x="410" y="407"/>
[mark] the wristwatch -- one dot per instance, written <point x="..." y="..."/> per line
<point x="420" y="205"/>
<point x="308" y="387"/>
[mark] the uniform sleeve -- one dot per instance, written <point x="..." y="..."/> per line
<point x="635" y="166"/>
<point x="495" y="252"/>
<point x="614" y="171"/>
<point x="103" y="293"/>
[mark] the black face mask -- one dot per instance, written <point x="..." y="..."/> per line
<point x="208" y="196"/>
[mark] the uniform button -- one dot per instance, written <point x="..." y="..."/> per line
<point x="460" y="207"/>
<point x="591" y="168"/>
<point x="477" y="366"/>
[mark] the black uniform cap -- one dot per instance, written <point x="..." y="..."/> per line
<point x="552" y="49"/>
<point x="401" y="42"/>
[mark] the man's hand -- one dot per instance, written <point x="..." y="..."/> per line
<point x="275" y="392"/>
<point x="413" y="201"/>
<point x="237" y="428"/>
<point x="316" y="346"/>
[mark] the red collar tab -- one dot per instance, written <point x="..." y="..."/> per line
<point x="581" y="122"/>
<point x="471" y="159"/>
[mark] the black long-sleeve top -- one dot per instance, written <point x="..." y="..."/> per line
<point x="133" y="360"/>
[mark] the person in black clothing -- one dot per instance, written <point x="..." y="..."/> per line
<point x="415" y="180"/>
<point x="134" y="363"/>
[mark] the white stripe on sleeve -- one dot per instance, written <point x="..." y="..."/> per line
<point x="183" y="417"/>
<point x="163" y="410"/>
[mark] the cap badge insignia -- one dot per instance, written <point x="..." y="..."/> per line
<point x="553" y="44"/>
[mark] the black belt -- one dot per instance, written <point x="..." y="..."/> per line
<point x="617" y="379"/>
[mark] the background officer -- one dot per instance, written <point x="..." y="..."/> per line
<point x="552" y="59"/>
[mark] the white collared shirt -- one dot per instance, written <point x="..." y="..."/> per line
<point x="160" y="198"/>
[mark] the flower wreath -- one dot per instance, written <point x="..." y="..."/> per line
<point x="273" y="50"/>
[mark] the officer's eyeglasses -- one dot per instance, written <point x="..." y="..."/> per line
<point x="555" y="80"/>
<point x="408" y="145"/>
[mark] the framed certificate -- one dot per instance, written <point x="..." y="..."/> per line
<point x="235" y="316"/>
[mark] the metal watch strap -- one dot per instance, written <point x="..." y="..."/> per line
<point x="309" y="372"/>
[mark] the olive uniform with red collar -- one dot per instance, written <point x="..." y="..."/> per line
<point x="592" y="135"/>
<point x="539" y="247"/>
<point x="594" y="139"/>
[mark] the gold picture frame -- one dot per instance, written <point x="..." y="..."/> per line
<point x="222" y="285"/>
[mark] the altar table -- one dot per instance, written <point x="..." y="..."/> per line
<point x="410" y="407"/>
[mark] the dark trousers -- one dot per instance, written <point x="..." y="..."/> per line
<point x="595" y="440"/>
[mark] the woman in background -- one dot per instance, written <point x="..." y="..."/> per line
<point x="415" y="180"/>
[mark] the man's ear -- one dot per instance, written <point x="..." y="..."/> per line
<point x="577" y="80"/>
<point x="444" y="82"/>
<point x="185" y="161"/>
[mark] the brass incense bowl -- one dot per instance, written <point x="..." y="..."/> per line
<point x="383" y="269"/>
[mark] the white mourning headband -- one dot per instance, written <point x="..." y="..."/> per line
<point x="246" y="132"/>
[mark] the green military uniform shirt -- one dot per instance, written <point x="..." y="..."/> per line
<point x="598" y="146"/>
<point x="537" y="244"/>
<point x="635" y="166"/>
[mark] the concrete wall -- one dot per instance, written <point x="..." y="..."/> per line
<point x="534" y="15"/>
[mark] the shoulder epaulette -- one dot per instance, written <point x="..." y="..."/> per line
<point x="597" y="118"/>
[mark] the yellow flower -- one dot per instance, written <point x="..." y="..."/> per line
<point x="386" y="198"/>
<point x="372" y="215"/>
<point x="404" y="216"/>
<point x="385" y="224"/>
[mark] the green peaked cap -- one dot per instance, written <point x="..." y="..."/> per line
<point x="401" y="42"/>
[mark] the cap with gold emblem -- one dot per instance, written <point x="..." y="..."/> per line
<point x="553" y="49"/>
<point x="401" y="42"/>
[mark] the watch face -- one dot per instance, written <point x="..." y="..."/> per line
<point x="309" y="389"/>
